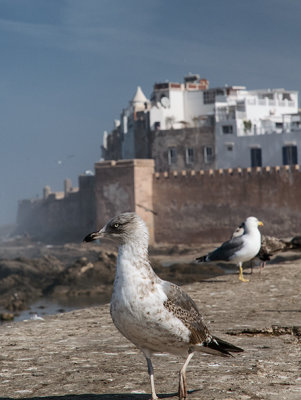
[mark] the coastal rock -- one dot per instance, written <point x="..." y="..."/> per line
<point x="7" y="316"/>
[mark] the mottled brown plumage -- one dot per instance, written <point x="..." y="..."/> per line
<point x="271" y="245"/>
<point x="155" y="315"/>
<point x="184" y="308"/>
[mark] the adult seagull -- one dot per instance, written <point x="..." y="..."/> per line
<point x="243" y="246"/>
<point x="156" y="315"/>
<point x="270" y="245"/>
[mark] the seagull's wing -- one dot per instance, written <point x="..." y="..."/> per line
<point x="227" y="250"/>
<point x="185" y="309"/>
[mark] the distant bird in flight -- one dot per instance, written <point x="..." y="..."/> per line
<point x="243" y="246"/>
<point x="155" y="315"/>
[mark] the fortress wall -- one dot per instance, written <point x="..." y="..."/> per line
<point x="178" y="207"/>
<point x="64" y="218"/>
<point x="87" y="205"/>
<point x="28" y="216"/>
<point x="122" y="186"/>
<point x="205" y="206"/>
<point x="50" y="220"/>
<point x="114" y="182"/>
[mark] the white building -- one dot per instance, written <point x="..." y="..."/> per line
<point x="179" y="105"/>
<point x="256" y="112"/>
<point x="257" y="128"/>
<point x="137" y="106"/>
<point x="252" y="127"/>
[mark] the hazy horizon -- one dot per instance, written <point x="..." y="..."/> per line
<point x="68" y="67"/>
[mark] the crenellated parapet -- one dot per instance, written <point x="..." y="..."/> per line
<point x="188" y="206"/>
<point x="276" y="170"/>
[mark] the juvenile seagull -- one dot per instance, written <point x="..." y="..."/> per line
<point x="156" y="315"/>
<point x="271" y="245"/>
<point x="243" y="246"/>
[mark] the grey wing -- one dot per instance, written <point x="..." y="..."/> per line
<point x="227" y="250"/>
<point x="185" y="309"/>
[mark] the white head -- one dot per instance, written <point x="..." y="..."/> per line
<point x="252" y="223"/>
<point x="124" y="228"/>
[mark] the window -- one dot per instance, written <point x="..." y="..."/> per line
<point x="209" y="97"/>
<point x="172" y="155"/>
<point x="241" y="106"/>
<point x="269" y="96"/>
<point x="289" y="155"/>
<point x="189" y="155"/>
<point x="227" y="129"/>
<point x="208" y="154"/>
<point x="157" y="125"/>
<point x="256" y="160"/>
<point x="286" y="96"/>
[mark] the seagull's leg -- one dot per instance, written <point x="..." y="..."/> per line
<point x="241" y="276"/>
<point x="262" y="265"/>
<point x="151" y="376"/>
<point x="182" y="380"/>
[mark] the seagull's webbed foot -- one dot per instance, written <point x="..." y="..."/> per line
<point x="241" y="276"/>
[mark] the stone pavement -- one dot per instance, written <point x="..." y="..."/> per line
<point x="81" y="356"/>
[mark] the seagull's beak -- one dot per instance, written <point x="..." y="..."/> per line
<point x="95" y="235"/>
<point x="260" y="223"/>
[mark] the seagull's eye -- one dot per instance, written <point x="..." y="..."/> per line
<point x="116" y="225"/>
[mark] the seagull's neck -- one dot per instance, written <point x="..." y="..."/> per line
<point x="253" y="232"/>
<point x="133" y="262"/>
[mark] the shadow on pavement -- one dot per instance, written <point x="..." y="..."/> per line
<point x="109" y="396"/>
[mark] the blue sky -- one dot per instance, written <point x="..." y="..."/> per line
<point x="68" y="67"/>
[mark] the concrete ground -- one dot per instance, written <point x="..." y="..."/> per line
<point x="81" y="356"/>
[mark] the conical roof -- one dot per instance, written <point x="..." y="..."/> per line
<point x="139" y="96"/>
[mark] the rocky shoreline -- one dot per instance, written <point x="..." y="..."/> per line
<point x="79" y="355"/>
<point x="79" y="272"/>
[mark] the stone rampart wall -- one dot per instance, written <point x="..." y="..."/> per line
<point x="122" y="186"/>
<point x="59" y="219"/>
<point x="205" y="206"/>
<point x="50" y="220"/>
<point x="179" y="207"/>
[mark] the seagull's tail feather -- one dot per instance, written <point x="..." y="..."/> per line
<point x="218" y="346"/>
<point x="227" y="346"/>
<point x="263" y="256"/>
<point x="296" y="242"/>
<point x="202" y="259"/>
